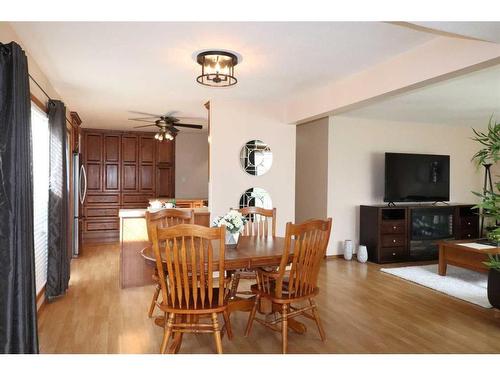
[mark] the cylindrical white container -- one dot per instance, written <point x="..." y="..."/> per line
<point x="348" y="247"/>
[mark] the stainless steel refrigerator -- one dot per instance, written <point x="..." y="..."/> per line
<point x="79" y="195"/>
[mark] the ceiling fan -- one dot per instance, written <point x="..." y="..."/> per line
<point x="166" y="123"/>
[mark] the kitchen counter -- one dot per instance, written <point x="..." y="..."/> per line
<point x="134" y="237"/>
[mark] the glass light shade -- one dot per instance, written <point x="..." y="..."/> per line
<point x="217" y="68"/>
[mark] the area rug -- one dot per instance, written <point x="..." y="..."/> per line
<point x="459" y="282"/>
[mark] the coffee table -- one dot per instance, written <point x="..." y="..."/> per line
<point x="457" y="253"/>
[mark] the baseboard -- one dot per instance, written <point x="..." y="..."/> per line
<point x="336" y="256"/>
<point x="40" y="299"/>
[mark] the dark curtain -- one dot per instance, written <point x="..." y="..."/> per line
<point x="59" y="256"/>
<point x="18" y="323"/>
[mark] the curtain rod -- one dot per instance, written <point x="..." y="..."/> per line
<point x="45" y="93"/>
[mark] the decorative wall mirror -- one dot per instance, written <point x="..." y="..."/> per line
<point x="256" y="197"/>
<point x="256" y="157"/>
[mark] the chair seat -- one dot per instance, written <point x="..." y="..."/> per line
<point x="191" y="309"/>
<point x="285" y="297"/>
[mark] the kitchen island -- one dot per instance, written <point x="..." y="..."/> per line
<point x="134" y="237"/>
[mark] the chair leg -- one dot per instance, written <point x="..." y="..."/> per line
<point x="218" y="340"/>
<point x="153" y="301"/>
<point x="251" y="317"/>
<point x="284" y="327"/>
<point x="227" y="322"/>
<point x="317" y="319"/>
<point x="167" y="332"/>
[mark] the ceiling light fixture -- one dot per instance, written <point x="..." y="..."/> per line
<point x="163" y="134"/>
<point x="217" y="68"/>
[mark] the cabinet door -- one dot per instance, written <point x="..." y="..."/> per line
<point x="129" y="177"/>
<point x="129" y="149"/>
<point x="165" y="184"/>
<point x="93" y="146"/>
<point x="146" y="177"/>
<point x="165" y="152"/>
<point x="111" y="173"/>
<point x="94" y="177"/>
<point x="111" y="148"/>
<point x="147" y="149"/>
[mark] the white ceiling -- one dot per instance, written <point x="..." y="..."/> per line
<point x="468" y="100"/>
<point x="488" y="31"/>
<point x="103" y="70"/>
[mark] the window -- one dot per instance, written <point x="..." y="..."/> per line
<point x="40" y="144"/>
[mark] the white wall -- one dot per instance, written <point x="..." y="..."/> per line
<point x="232" y="124"/>
<point x="7" y="35"/>
<point x="356" y="165"/>
<point x="191" y="165"/>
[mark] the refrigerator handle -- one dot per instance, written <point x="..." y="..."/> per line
<point x="83" y="176"/>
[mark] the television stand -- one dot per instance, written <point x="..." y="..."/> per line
<point x="410" y="232"/>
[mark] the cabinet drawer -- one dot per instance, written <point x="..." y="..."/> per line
<point x="393" y="226"/>
<point x="136" y="199"/>
<point x="103" y="199"/>
<point x="393" y="254"/>
<point x="394" y="240"/>
<point x="101" y="212"/>
<point x="469" y="222"/>
<point x="466" y="233"/>
<point x="102" y="225"/>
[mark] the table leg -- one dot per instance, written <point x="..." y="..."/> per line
<point x="442" y="261"/>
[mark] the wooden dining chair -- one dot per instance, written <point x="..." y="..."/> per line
<point x="261" y="222"/>
<point x="191" y="254"/>
<point x="307" y="242"/>
<point x="164" y="218"/>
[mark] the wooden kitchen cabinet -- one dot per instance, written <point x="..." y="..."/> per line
<point x="124" y="170"/>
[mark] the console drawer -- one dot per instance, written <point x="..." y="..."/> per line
<point x="468" y="233"/>
<point x="469" y="222"/>
<point x="393" y="254"/>
<point x="393" y="226"/>
<point x="393" y="240"/>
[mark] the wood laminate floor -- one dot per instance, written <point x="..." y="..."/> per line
<point x="363" y="311"/>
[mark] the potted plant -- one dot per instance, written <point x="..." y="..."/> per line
<point x="489" y="205"/>
<point x="234" y="222"/>
<point x="487" y="156"/>
<point x="494" y="280"/>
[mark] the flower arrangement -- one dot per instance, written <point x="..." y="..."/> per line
<point x="233" y="220"/>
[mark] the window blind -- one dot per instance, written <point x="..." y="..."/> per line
<point x="40" y="144"/>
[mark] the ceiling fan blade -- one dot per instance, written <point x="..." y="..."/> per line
<point x="170" y="114"/>
<point x="144" y="126"/>
<point x="140" y="119"/>
<point x="145" y="113"/>
<point x="192" y="126"/>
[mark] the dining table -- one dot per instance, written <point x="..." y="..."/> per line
<point x="250" y="253"/>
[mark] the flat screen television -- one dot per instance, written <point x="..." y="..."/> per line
<point x="416" y="178"/>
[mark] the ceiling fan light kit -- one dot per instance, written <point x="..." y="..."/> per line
<point x="217" y="68"/>
<point x="167" y="125"/>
